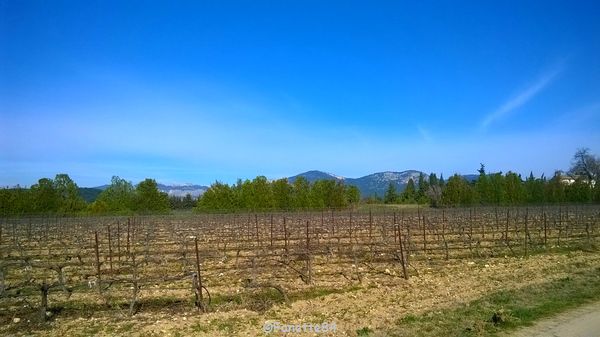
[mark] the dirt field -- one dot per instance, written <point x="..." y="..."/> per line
<point x="122" y="277"/>
<point x="374" y="305"/>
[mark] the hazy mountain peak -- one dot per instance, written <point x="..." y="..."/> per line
<point x="178" y="190"/>
<point x="372" y="184"/>
<point x="315" y="175"/>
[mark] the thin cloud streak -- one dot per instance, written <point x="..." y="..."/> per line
<point x="522" y="98"/>
<point x="425" y="135"/>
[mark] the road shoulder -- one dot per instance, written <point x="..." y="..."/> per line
<point x="583" y="321"/>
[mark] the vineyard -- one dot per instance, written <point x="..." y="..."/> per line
<point x="206" y="262"/>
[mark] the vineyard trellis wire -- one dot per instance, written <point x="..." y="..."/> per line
<point x="120" y="259"/>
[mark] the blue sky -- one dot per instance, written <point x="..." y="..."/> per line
<point x="203" y="91"/>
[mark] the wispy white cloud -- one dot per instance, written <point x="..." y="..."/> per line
<point x="425" y="134"/>
<point x="523" y="97"/>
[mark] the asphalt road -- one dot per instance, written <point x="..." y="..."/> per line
<point x="581" y="322"/>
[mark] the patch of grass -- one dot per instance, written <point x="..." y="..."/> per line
<point x="505" y="309"/>
<point x="127" y="327"/>
<point x="160" y="303"/>
<point x="408" y="319"/>
<point x="228" y="325"/>
<point x="92" y="329"/>
<point x="316" y="292"/>
<point x="199" y="327"/>
<point x="364" y="332"/>
<point x="262" y="299"/>
<point x="375" y="208"/>
<point x="225" y="325"/>
<point x="221" y="299"/>
<point x="259" y="300"/>
<point x="318" y="317"/>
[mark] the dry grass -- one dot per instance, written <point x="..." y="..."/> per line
<point x="381" y="305"/>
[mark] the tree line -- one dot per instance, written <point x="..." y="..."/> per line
<point x="508" y="189"/>
<point x="579" y="186"/>
<point x="57" y="196"/>
<point x="261" y="194"/>
<point x="60" y="196"/>
<point x="185" y="202"/>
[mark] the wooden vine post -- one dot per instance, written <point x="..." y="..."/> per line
<point x="446" y="256"/>
<point x="285" y="236"/>
<point x="97" y="251"/>
<point x="271" y="234"/>
<point x="44" y="289"/>
<point x="402" y="258"/>
<point x="200" y="299"/>
<point x="545" y="231"/>
<point x="424" y="237"/>
<point x="506" y="230"/>
<point x="471" y="231"/>
<point x="110" y="260"/>
<point x="559" y="224"/>
<point x="395" y="228"/>
<point x="119" y="241"/>
<point x="526" y="231"/>
<point x="370" y="230"/>
<point x="308" y="255"/>
<point x="128" y="234"/>
<point x="257" y="231"/>
<point x="406" y="241"/>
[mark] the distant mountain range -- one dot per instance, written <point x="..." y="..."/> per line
<point x="90" y="194"/>
<point x="181" y="190"/>
<point x="371" y="185"/>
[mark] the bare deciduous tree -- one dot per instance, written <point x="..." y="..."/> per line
<point x="585" y="164"/>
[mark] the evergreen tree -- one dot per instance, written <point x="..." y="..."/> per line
<point x="433" y="180"/>
<point x="457" y="192"/>
<point x="534" y="190"/>
<point x="246" y="196"/>
<point x="148" y="199"/>
<point x="391" y="196"/>
<point x="423" y="185"/>
<point x="282" y="194"/>
<point x="118" y="197"/>
<point x="596" y="192"/>
<point x="186" y="202"/>
<point x="319" y="194"/>
<point x="579" y="191"/>
<point x="352" y="195"/>
<point x="16" y="201"/>
<point x="68" y="193"/>
<point x="44" y="196"/>
<point x="218" y="198"/>
<point x="409" y="194"/>
<point x="338" y="197"/>
<point x="555" y="192"/>
<point x="301" y="193"/>
<point x="482" y="186"/>
<point x="513" y="187"/>
<point x="496" y="191"/>
<point x="262" y="194"/>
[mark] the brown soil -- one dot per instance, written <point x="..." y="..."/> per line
<point x="377" y="303"/>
